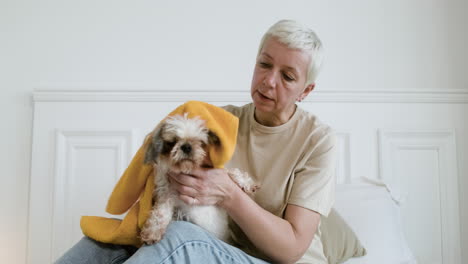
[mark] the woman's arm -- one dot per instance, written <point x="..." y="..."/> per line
<point x="283" y="240"/>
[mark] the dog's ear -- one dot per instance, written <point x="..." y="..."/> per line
<point x="155" y="147"/>
<point x="213" y="139"/>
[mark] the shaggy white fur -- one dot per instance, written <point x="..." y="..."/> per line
<point x="180" y="145"/>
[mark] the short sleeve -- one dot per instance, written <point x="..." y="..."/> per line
<point x="314" y="181"/>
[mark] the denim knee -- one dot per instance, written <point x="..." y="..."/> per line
<point x="90" y="251"/>
<point x="184" y="231"/>
<point x="185" y="242"/>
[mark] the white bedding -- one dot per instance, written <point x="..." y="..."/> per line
<point x="374" y="214"/>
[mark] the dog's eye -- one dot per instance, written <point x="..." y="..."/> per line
<point x="206" y="166"/>
<point x="168" y="145"/>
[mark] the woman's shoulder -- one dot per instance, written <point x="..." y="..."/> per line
<point x="312" y="122"/>
<point x="314" y="128"/>
<point x="237" y="110"/>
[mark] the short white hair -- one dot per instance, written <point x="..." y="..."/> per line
<point x="298" y="36"/>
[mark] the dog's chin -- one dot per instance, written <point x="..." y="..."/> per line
<point x="184" y="166"/>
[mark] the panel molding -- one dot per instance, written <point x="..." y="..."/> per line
<point x="450" y="96"/>
<point x="444" y="144"/>
<point x="362" y="150"/>
<point x="343" y="168"/>
<point x="67" y="144"/>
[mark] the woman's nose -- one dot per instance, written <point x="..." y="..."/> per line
<point x="270" y="79"/>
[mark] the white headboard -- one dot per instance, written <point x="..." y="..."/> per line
<point x="83" y="141"/>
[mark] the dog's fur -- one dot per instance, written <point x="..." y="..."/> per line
<point x="180" y="144"/>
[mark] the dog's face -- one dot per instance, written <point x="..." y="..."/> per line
<point x="181" y="143"/>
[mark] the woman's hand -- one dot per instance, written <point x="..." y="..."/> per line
<point x="203" y="186"/>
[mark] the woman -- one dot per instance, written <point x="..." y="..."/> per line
<point x="287" y="150"/>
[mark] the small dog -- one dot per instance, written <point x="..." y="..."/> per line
<point x="180" y="144"/>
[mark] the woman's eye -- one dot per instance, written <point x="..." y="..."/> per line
<point x="264" y="64"/>
<point x="288" y="78"/>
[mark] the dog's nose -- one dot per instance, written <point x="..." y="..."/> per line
<point x="186" y="148"/>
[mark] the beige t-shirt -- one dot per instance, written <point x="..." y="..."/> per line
<point x="294" y="164"/>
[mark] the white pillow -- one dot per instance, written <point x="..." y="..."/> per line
<point x="375" y="217"/>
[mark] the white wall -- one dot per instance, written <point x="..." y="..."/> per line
<point x="211" y="45"/>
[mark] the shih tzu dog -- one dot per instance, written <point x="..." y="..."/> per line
<point x="180" y="144"/>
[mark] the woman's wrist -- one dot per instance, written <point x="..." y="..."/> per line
<point x="230" y="200"/>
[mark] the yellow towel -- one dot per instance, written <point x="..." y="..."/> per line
<point x="133" y="192"/>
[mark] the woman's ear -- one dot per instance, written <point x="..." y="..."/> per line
<point x="309" y="88"/>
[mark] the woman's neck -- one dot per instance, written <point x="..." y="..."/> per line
<point x="273" y="119"/>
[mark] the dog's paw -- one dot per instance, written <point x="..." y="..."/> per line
<point x="150" y="236"/>
<point x="250" y="189"/>
<point x="243" y="180"/>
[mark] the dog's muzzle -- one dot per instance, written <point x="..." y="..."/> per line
<point x="186" y="148"/>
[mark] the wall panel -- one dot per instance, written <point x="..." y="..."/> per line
<point x="82" y="142"/>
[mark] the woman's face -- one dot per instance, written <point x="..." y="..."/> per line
<point x="279" y="78"/>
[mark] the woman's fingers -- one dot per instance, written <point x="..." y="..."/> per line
<point x="189" y="199"/>
<point x="205" y="186"/>
<point x="185" y="184"/>
<point x="184" y="179"/>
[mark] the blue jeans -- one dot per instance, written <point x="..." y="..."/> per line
<point x="183" y="243"/>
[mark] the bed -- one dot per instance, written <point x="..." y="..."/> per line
<point x="396" y="173"/>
